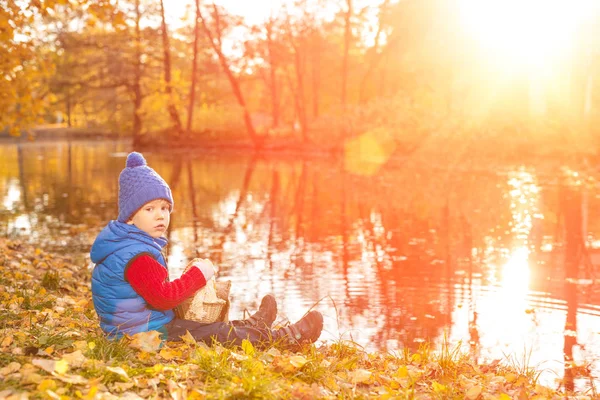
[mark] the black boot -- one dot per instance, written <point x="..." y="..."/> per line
<point x="265" y="316"/>
<point x="306" y="330"/>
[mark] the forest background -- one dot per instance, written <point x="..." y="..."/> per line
<point x="314" y="72"/>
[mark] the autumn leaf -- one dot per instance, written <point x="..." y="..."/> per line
<point x="146" y="341"/>
<point x="298" y="361"/>
<point x="438" y="388"/>
<point x="168" y="354"/>
<point x="75" y="359"/>
<point x="188" y="338"/>
<point x="119" y="371"/>
<point x="10" y="368"/>
<point x="474" y="392"/>
<point x="359" y="376"/>
<point x="247" y="347"/>
<point x="7" y="341"/>
<point x="51" y="366"/>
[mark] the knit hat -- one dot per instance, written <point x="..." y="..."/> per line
<point x="138" y="185"/>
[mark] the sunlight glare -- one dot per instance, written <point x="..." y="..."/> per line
<point x="530" y="32"/>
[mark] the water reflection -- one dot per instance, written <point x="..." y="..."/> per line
<point x="413" y="254"/>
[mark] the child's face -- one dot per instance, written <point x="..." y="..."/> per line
<point x="153" y="218"/>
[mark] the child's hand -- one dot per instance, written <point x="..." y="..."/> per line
<point x="206" y="267"/>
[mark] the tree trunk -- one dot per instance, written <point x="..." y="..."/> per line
<point x="316" y="78"/>
<point x="215" y="41"/>
<point x="167" y="66"/>
<point x="374" y="59"/>
<point x="137" y="90"/>
<point x="273" y="73"/>
<point x="347" y="38"/>
<point x="298" y="92"/>
<point x="194" y="67"/>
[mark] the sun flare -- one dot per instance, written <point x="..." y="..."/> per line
<point x="528" y="32"/>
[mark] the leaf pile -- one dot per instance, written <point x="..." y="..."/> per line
<point x="52" y="348"/>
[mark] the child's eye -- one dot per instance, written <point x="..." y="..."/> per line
<point x="149" y="209"/>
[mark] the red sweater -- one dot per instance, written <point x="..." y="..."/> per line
<point x="151" y="281"/>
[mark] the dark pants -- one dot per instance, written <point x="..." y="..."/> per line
<point x="227" y="333"/>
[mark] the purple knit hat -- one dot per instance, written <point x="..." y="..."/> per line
<point x="139" y="184"/>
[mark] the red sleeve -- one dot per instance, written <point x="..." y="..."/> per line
<point x="151" y="281"/>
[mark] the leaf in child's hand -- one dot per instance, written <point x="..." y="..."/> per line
<point x="146" y="341"/>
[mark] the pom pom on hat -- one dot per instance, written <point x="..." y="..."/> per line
<point x="138" y="185"/>
<point x="135" y="159"/>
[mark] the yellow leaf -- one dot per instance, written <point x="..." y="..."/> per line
<point x="167" y="354"/>
<point x="298" y="361"/>
<point x="474" y="392"/>
<point x="416" y="358"/>
<point x="10" y="368"/>
<point x="188" y="338"/>
<point x="504" y="396"/>
<point x="75" y="359"/>
<point x="359" y="376"/>
<point x="402" y="372"/>
<point x="62" y="366"/>
<point x="91" y="345"/>
<point x="438" y="388"/>
<point x="47" y="384"/>
<point x="7" y="341"/>
<point x="247" y="347"/>
<point x="510" y="377"/>
<point x="49" y="350"/>
<point x="146" y="341"/>
<point x="119" y="371"/>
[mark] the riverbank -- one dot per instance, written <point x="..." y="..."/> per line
<point x="447" y="143"/>
<point x="51" y="347"/>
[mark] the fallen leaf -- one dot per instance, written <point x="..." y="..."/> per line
<point x="298" y="361"/>
<point x="359" y="376"/>
<point x="61" y="366"/>
<point x="7" y="341"/>
<point x="474" y="392"/>
<point x="247" y="347"/>
<point x="168" y="354"/>
<point x="188" y="338"/>
<point x="238" y="357"/>
<point x="47" y="365"/>
<point x="146" y="341"/>
<point x="75" y="359"/>
<point x="10" y="368"/>
<point x="119" y="371"/>
<point x="47" y="384"/>
<point x="438" y="387"/>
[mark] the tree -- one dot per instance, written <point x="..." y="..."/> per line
<point x="194" y="66"/>
<point x="167" y="69"/>
<point x="215" y="39"/>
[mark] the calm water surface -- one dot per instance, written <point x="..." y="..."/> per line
<point x="500" y="261"/>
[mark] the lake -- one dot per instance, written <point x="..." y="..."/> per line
<point x="501" y="259"/>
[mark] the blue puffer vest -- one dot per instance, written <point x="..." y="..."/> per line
<point x="120" y="309"/>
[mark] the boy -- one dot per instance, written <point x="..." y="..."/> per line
<point x="131" y="290"/>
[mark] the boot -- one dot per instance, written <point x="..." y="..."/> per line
<point x="306" y="330"/>
<point x="265" y="316"/>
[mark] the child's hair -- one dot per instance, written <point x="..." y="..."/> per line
<point x="139" y="184"/>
